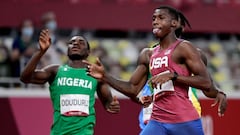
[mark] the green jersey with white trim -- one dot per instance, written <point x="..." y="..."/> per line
<point x="73" y="97"/>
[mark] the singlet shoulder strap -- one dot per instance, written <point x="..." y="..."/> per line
<point x="176" y="43"/>
<point x="155" y="48"/>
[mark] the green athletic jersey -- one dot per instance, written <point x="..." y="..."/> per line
<point x="72" y="94"/>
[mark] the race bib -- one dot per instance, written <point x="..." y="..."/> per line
<point x="147" y="112"/>
<point x="74" y="105"/>
<point x="164" y="88"/>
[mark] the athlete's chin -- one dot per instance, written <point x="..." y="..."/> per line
<point x="75" y="57"/>
<point x="157" y="36"/>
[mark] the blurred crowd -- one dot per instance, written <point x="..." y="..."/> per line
<point x="119" y="55"/>
<point x="18" y="49"/>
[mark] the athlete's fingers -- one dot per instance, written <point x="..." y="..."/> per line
<point x="89" y="73"/>
<point x="156" y="80"/>
<point x="215" y="103"/>
<point x="86" y="62"/>
<point x="146" y="100"/>
<point x="114" y="106"/>
<point x="222" y="107"/>
<point x="220" y="111"/>
<point x="146" y="104"/>
<point x="115" y="100"/>
<point x="112" y="111"/>
<point x="114" y="103"/>
<point x="88" y="66"/>
<point x="98" y="62"/>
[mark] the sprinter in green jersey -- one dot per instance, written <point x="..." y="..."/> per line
<point x="71" y="89"/>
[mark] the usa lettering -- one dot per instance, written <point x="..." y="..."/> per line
<point x="159" y="62"/>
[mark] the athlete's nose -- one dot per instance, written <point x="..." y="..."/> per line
<point x="154" y="23"/>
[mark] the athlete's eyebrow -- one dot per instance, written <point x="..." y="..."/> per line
<point x="73" y="40"/>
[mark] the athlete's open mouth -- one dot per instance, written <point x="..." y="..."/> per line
<point x="155" y="30"/>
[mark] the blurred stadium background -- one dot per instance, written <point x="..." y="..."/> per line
<point x="117" y="31"/>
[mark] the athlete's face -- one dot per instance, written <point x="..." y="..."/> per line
<point x="78" y="48"/>
<point x="161" y="22"/>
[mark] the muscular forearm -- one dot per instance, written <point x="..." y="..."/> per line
<point x="124" y="87"/>
<point x="31" y="66"/>
<point x="195" y="81"/>
<point x="213" y="91"/>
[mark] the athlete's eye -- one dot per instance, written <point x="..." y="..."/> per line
<point x="69" y="44"/>
<point x="153" y="18"/>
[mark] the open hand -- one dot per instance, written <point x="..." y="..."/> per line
<point x="160" y="79"/>
<point x="95" y="70"/>
<point x="146" y="100"/>
<point x="221" y="100"/>
<point x="44" y="40"/>
<point x="114" y="106"/>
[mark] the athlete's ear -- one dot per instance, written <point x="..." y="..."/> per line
<point x="175" y="23"/>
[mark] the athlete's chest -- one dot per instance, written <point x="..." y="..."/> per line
<point x="160" y="58"/>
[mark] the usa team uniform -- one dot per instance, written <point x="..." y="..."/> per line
<point x="173" y="113"/>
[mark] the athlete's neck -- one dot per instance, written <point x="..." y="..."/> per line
<point x="166" y="42"/>
<point x="76" y="64"/>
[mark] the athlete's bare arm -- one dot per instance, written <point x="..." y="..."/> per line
<point x="186" y="55"/>
<point x="215" y="91"/>
<point x="111" y="104"/>
<point x="131" y="87"/>
<point x="30" y="74"/>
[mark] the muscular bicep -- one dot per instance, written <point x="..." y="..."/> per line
<point x="41" y="76"/>
<point x="193" y="60"/>
<point x="140" y="75"/>
<point x="187" y="56"/>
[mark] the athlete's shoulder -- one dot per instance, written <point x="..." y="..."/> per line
<point x="53" y="68"/>
<point x="186" y="45"/>
<point x="145" y="51"/>
<point x="144" y="56"/>
<point x="185" y="42"/>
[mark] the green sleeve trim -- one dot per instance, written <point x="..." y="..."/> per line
<point x="194" y="91"/>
